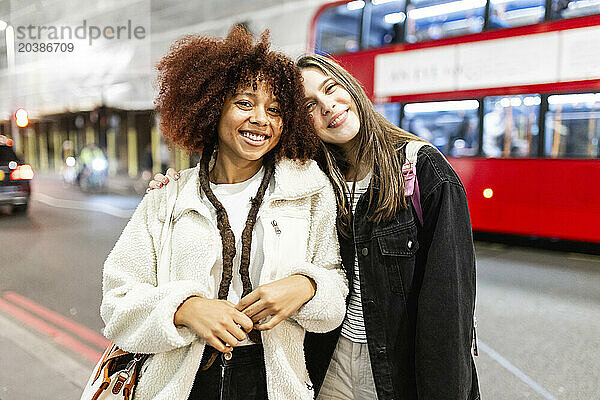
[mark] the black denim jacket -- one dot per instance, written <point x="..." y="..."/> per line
<point x="418" y="292"/>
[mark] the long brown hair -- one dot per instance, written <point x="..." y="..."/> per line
<point x="378" y="144"/>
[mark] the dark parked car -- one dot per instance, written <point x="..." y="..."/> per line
<point x="14" y="180"/>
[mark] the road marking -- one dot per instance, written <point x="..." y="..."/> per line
<point x="80" y="205"/>
<point x="48" y="355"/>
<point x="58" y="319"/>
<point x="514" y="370"/>
<point x="55" y="333"/>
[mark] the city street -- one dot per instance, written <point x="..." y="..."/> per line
<point x="538" y="311"/>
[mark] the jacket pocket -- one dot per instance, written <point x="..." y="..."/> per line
<point x="398" y="252"/>
<point x="291" y="242"/>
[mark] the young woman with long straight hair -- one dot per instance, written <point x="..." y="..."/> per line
<point x="254" y="259"/>
<point x="408" y="329"/>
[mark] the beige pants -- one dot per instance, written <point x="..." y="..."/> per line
<point x="349" y="376"/>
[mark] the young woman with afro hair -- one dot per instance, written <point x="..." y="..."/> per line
<point x="255" y="257"/>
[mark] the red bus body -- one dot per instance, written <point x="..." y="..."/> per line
<point x="539" y="197"/>
<point x="555" y="199"/>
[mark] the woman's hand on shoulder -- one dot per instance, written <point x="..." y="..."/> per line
<point x="216" y="321"/>
<point x="160" y="180"/>
<point x="278" y="300"/>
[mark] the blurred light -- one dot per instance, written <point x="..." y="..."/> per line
<point x="9" y="142"/>
<point x="532" y="101"/>
<point x="22" y="172"/>
<point x="516" y="102"/>
<point x="99" y="164"/>
<point x="582" y="4"/>
<point x="458" y="24"/>
<point x="12" y="165"/>
<point x="574" y="98"/>
<point x="378" y="2"/>
<point x="3" y="25"/>
<point x="22" y="118"/>
<point x="441" y="106"/>
<point x="505" y="102"/>
<point x="355" y="5"/>
<point x="459" y="144"/>
<point x="79" y="122"/>
<point x="395" y="18"/>
<point x="446" y="8"/>
<point x="70" y="161"/>
<point x="488" y="193"/>
<point x="524" y="12"/>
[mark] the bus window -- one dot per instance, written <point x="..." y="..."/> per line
<point x="574" y="8"/>
<point x="338" y="29"/>
<point x="509" y="13"/>
<point x="387" y="23"/>
<point x="573" y="126"/>
<point x="510" y="126"/>
<point x="428" y="20"/>
<point x="391" y="112"/>
<point x="451" y="126"/>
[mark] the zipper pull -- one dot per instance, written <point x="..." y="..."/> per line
<point x="222" y="383"/>
<point x="276" y="227"/>
<point x="475" y="350"/>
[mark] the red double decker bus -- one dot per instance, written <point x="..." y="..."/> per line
<point x="508" y="90"/>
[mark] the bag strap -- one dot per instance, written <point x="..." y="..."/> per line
<point x="409" y="171"/>
<point x="164" y="259"/>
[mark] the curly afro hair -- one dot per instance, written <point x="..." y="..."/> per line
<point x="197" y="74"/>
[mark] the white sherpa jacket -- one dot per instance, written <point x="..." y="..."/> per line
<point x="139" y="314"/>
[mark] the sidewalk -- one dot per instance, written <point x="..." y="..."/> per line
<point x="32" y="367"/>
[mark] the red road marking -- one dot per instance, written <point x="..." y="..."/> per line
<point x="58" y="335"/>
<point x="58" y="319"/>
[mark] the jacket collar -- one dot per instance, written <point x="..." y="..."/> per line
<point x="189" y="195"/>
<point x="292" y="180"/>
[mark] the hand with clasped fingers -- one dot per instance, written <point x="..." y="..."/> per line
<point x="277" y="300"/>
<point x="216" y="321"/>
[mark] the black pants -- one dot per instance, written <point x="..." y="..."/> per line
<point x="241" y="377"/>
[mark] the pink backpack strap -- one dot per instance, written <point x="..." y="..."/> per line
<point x="409" y="171"/>
<point x="411" y="188"/>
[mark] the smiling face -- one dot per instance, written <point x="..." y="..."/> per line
<point x="331" y="108"/>
<point x="250" y="126"/>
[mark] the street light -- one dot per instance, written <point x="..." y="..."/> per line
<point x="21" y="118"/>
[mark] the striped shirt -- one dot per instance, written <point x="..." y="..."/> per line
<point x="353" y="327"/>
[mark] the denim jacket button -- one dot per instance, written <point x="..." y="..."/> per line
<point x="364" y="251"/>
<point x="409" y="244"/>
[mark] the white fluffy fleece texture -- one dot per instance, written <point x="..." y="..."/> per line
<point x="139" y="314"/>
